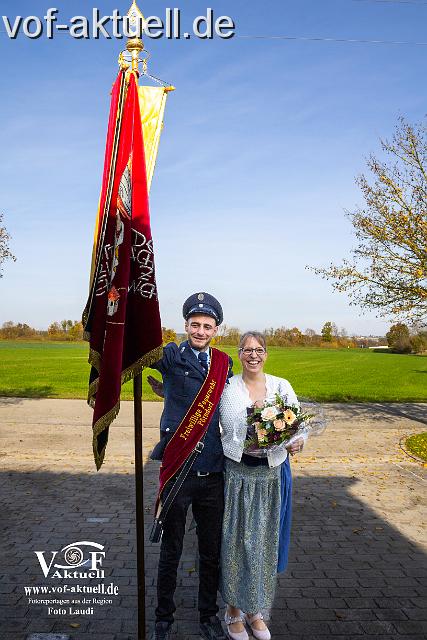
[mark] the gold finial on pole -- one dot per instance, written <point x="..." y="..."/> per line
<point x="135" y="44"/>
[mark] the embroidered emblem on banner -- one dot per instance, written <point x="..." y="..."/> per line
<point x="113" y="301"/>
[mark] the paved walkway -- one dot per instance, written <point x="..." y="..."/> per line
<point x="358" y="558"/>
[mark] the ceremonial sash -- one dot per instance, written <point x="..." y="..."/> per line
<point x="196" y="421"/>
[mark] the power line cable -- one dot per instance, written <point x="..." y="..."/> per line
<point x="394" y="2"/>
<point x="351" y="40"/>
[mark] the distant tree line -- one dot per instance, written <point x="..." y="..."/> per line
<point x="68" y="330"/>
<point x="330" y="337"/>
<point x="399" y="339"/>
<point x="65" y="330"/>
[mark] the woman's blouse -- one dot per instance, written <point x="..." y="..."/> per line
<point x="235" y="401"/>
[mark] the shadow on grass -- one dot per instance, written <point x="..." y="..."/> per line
<point x="16" y="395"/>
<point x="350" y="573"/>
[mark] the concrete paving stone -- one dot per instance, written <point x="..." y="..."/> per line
<point x="345" y="582"/>
<point x="354" y="566"/>
<point x="398" y="603"/>
<point x="416" y="614"/>
<point x="125" y="571"/>
<point x="325" y="582"/>
<point x="397" y="591"/>
<point x="416" y="572"/>
<point x="123" y="612"/>
<point x="371" y="637"/>
<point x="404" y="637"/>
<point x="284" y="594"/>
<point x="361" y="603"/>
<point x="331" y="603"/>
<point x="345" y="628"/>
<point x="10" y="600"/>
<point x="417" y="602"/>
<point x="343" y="592"/>
<point x="411" y="626"/>
<point x="315" y="592"/>
<point x="310" y="574"/>
<point x="105" y="626"/>
<point x="300" y="603"/>
<point x="280" y="616"/>
<point x="17" y="611"/>
<point x="378" y="627"/>
<point x="14" y="625"/>
<point x="41" y="625"/>
<point x="338" y="573"/>
<point x="295" y="582"/>
<point x="370" y="592"/>
<point x="129" y="626"/>
<point x="315" y="614"/>
<point x="354" y="614"/>
<point x="394" y="614"/>
<point x="306" y="627"/>
<point x="404" y="581"/>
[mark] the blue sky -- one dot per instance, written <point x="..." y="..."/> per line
<point x="261" y="145"/>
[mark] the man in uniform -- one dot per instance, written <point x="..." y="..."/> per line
<point x="184" y="369"/>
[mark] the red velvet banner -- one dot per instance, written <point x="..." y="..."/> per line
<point x="121" y="318"/>
<point x="197" y="419"/>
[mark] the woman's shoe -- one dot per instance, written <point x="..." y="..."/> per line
<point x="236" y="635"/>
<point x="260" y="634"/>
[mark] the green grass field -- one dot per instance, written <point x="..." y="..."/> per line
<point x="60" y="370"/>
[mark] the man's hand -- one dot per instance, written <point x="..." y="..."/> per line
<point x="156" y="385"/>
<point x="296" y="446"/>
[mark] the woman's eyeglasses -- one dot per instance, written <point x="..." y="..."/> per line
<point x="248" y="352"/>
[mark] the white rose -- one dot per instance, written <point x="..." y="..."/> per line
<point x="269" y="413"/>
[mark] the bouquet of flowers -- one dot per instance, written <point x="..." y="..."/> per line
<point x="279" y="423"/>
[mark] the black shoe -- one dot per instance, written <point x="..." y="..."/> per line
<point x="211" y="629"/>
<point x="162" y="631"/>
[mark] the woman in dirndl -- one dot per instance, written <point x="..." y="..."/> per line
<point x="258" y="498"/>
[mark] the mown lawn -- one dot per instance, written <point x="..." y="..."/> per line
<point x="60" y="370"/>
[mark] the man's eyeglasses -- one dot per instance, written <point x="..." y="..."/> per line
<point x="248" y="352"/>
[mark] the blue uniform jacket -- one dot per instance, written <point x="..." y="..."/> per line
<point x="183" y="376"/>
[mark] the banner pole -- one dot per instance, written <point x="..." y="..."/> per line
<point x="139" y="496"/>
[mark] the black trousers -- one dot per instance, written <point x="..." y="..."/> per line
<point x="206" y="496"/>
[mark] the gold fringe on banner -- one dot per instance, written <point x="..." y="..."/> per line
<point x="126" y="375"/>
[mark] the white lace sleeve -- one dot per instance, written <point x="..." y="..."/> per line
<point x="233" y="421"/>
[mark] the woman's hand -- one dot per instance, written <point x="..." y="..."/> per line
<point x="296" y="446"/>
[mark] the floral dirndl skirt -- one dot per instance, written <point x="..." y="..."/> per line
<point x="250" y="536"/>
